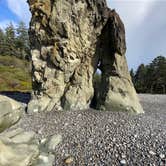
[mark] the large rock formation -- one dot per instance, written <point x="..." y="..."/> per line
<point x="70" y="39"/>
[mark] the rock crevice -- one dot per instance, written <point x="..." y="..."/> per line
<point x="68" y="40"/>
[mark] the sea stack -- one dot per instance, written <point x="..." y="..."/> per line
<point x="70" y="40"/>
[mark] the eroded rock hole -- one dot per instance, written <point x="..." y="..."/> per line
<point x="96" y="86"/>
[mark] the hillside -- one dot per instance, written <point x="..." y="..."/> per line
<point x="14" y="74"/>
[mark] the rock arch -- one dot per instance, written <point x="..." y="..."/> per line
<point x="65" y="55"/>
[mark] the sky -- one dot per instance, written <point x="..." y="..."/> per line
<point x="144" y="21"/>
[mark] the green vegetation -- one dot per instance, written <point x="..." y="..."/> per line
<point x="151" y="78"/>
<point x="15" y="74"/>
<point x="14" y="41"/>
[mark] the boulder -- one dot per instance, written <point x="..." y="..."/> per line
<point x="10" y="112"/>
<point x="13" y="154"/>
<point x="20" y="148"/>
<point x="70" y="40"/>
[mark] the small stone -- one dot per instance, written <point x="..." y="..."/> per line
<point x="123" y="156"/>
<point x="40" y="131"/>
<point x="152" y="153"/>
<point x="114" y="139"/>
<point x="79" y="115"/>
<point x="116" y="155"/>
<point x="123" y="162"/>
<point x="90" y="140"/>
<point x="66" y="124"/>
<point x="162" y="156"/>
<point x="69" y="160"/>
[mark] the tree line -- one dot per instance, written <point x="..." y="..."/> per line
<point x="14" y="41"/>
<point x="150" y="78"/>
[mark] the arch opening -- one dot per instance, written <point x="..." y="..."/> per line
<point x="96" y="85"/>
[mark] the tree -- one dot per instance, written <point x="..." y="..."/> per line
<point x="2" y="41"/>
<point x="132" y="76"/>
<point x="151" y="78"/>
<point x="22" y="41"/>
<point x="140" y="79"/>
<point x="156" y="72"/>
<point x="9" y="43"/>
<point x="15" y="41"/>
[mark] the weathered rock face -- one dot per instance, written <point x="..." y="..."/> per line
<point x="116" y="90"/>
<point x="21" y="148"/>
<point x="10" y="112"/>
<point x="69" y="39"/>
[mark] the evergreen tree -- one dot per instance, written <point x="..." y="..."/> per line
<point x="157" y="76"/>
<point x="22" y="41"/>
<point x="151" y="78"/>
<point x="140" y="78"/>
<point x="9" y="42"/>
<point x="132" y="76"/>
<point x="15" y="42"/>
<point x="2" y="41"/>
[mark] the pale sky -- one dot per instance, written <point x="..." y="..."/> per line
<point x="145" y="23"/>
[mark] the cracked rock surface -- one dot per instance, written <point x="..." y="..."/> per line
<point x="70" y="39"/>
